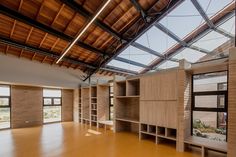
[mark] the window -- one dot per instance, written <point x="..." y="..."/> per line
<point x="209" y="106"/>
<point x="51" y="105"/>
<point x="111" y="102"/>
<point x="5" y="107"/>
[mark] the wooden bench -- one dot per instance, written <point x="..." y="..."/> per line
<point x="206" y="144"/>
<point x="106" y="124"/>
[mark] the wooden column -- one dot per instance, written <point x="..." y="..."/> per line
<point x="232" y="104"/>
<point x="67" y="105"/>
<point x="184" y="105"/>
<point x="76" y="106"/>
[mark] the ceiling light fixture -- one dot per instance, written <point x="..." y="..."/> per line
<point x="82" y="32"/>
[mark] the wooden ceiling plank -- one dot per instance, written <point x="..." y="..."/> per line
<point x="44" y="59"/>
<point x="33" y="56"/>
<point x="21" y="52"/>
<point x="40" y="9"/>
<point x="41" y="43"/>
<point x="7" y="47"/>
<point x="75" y="14"/>
<point x="58" y="13"/>
<point x="20" y="5"/>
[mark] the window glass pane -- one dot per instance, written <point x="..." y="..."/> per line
<point x="4" y="90"/>
<point x="156" y="40"/>
<point x="183" y="20"/>
<point x="51" y="93"/>
<point x="4" y="102"/>
<point x="211" y="41"/>
<point x="137" y="55"/>
<point x="167" y="65"/>
<point x="52" y="114"/>
<point x="127" y="66"/>
<point x="4" y="118"/>
<point x="189" y="55"/>
<point x="211" y="7"/>
<point x="210" y="125"/>
<point x="47" y="101"/>
<point x="210" y="82"/>
<point x="57" y="101"/>
<point x="229" y="25"/>
<point x="210" y="101"/>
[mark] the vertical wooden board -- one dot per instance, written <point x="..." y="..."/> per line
<point x="160" y="113"/>
<point x="26" y="106"/>
<point x="67" y="105"/>
<point x="85" y="103"/>
<point x="76" y="105"/>
<point x="103" y="102"/>
<point x="171" y="114"/>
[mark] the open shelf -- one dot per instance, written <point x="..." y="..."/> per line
<point x="131" y="120"/>
<point x="133" y="87"/>
<point x="152" y="129"/>
<point x="171" y="133"/>
<point x="148" y="136"/>
<point x="161" y="131"/>
<point x="121" y="88"/>
<point x="93" y="91"/>
<point x="126" y="125"/>
<point x="144" y="127"/>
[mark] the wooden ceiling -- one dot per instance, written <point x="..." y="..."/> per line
<point x="40" y="30"/>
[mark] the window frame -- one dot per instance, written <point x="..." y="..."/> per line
<point x="205" y="93"/>
<point x="52" y="105"/>
<point x="9" y="104"/>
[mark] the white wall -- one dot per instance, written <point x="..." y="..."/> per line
<point x="22" y="71"/>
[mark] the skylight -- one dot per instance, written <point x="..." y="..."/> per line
<point x="211" y="41"/>
<point x="211" y="7"/>
<point x="137" y="55"/>
<point x="229" y="25"/>
<point x="156" y="40"/>
<point x="123" y="65"/>
<point x="183" y="20"/>
<point x="189" y="54"/>
<point x="167" y="65"/>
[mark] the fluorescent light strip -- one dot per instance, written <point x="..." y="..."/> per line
<point x="82" y="32"/>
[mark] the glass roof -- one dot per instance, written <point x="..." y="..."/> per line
<point x="167" y="65"/>
<point x="156" y="40"/>
<point x="229" y="25"/>
<point x="189" y="54"/>
<point x="211" y="41"/>
<point x="137" y="55"/>
<point x="123" y="65"/>
<point x="211" y="7"/>
<point x="181" y="21"/>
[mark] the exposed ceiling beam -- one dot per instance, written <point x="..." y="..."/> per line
<point x="180" y="41"/>
<point x="16" y="15"/>
<point x="43" y="52"/>
<point x="126" y="71"/>
<point x="140" y="10"/>
<point x="158" y="17"/>
<point x="131" y="62"/>
<point x="209" y="22"/>
<point x="79" y="9"/>
<point x="148" y="50"/>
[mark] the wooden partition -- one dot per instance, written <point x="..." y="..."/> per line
<point x="85" y="105"/>
<point x="102" y="102"/>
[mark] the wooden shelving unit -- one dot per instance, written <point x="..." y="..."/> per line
<point x="80" y="105"/>
<point x="157" y="132"/>
<point x="127" y="105"/>
<point x="93" y="105"/>
<point x="85" y="93"/>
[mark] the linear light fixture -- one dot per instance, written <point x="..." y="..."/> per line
<point x="82" y="32"/>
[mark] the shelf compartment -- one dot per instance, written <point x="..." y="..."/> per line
<point x="144" y="127"/>
<point x="152" y="129"/>
<point x="133" y="87"/>
<point x="148" y="136"/>
<point x="121" y="88"/>
<point x="126" y="126"/>
<point x="161" y="131"/>
<point x="171" y="133"/>
<point x="93" y="91"/>
<point x="93" y="100"/>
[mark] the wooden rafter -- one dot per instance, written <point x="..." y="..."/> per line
<point x="28" y="36"/>
<point x="68" y="24"/>
<point x="6" y="50"/>
<point x="21" y="52"/>
<point x="13" y="28"/>
<point x="40" y="9"/>
<point x="58" y="13"/>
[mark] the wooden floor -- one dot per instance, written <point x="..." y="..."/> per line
<point x="77" y="140"/>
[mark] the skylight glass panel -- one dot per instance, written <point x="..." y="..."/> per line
<point x="190" y="55"/>
<point x="156" y="40"/>
<point x="123" y="65"/>
<point x="137" y="55"/>
<point x="168" y="65"/>
<point x="183" y="19"/>
<point x="211" y="7"/>
<point x="229" y="25"/>
<point x="211" y="41"/>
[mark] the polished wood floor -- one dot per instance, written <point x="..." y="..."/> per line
<point x="76" y="140"/>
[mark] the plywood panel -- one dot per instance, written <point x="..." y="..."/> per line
<point x="160" y="86"/>
<point x="85" y="103"/>
<point x="103" y="102"/>
<point x="76" y="105"/>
